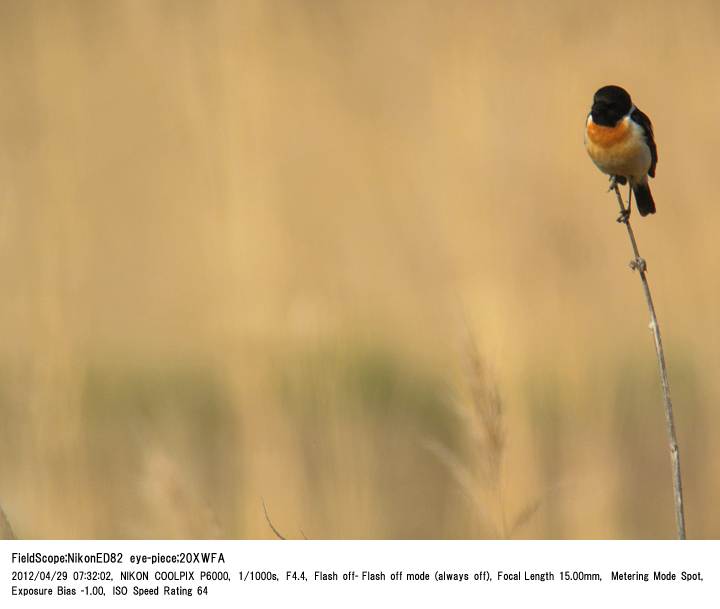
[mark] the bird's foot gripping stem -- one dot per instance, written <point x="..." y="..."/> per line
<point x="624" y="216"/>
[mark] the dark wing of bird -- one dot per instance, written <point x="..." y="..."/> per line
<point x="642" y="119"/>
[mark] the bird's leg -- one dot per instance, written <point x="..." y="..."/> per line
<point x="625" y="213"/>
<point x="615" y="180"/>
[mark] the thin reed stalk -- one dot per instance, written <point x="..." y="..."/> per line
<point x="6" y="531"/>
<point x="638" y="264"/>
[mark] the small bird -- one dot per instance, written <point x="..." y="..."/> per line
<point x="619" y="140"/>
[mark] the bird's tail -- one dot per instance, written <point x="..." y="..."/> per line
<point x="643" y="197"/>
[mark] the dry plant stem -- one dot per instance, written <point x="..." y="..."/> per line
<point x="639" y="265"/>
<point x="6" y="531"/>
<point x="272" y="526"/>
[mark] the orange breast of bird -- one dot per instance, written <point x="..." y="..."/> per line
<point x="607" y="137"/>
<point x="619" y="150"/>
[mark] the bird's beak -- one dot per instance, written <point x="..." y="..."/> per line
<point x="596" y="108"/>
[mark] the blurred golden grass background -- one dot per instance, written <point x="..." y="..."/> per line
<point x="243" y="245"/>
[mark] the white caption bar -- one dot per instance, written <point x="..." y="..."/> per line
<point x="357" y="573"/>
